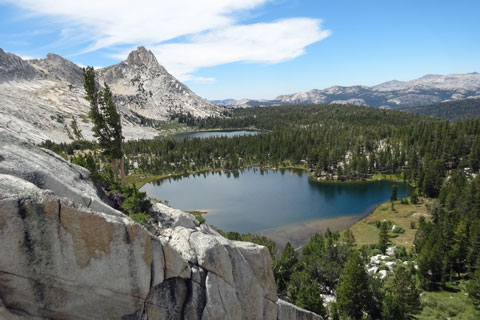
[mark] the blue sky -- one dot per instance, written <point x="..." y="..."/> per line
<point x="255" y="48"/>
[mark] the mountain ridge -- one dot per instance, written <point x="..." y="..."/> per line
<point x="392" y="94"/>
<point x="40" y="97"/>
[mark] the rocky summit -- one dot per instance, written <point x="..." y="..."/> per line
<point x="145" y="87"/>
<point x="67" y="254"/>
<point x="39" y="98"/>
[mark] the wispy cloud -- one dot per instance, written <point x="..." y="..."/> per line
<point x="202" y="80"/>
<point x="185" y="35"/>
<point x="26" y="57"/>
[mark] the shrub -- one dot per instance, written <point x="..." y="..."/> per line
<point x="398" y="229"/>
<point x="136" y="203"/>
<point x="198" y="215"/>
<point x="140" y="217"/>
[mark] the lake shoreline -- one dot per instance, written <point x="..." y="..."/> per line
<point x="298" y="234"/>
<point x="277" y="199"/>
<point x="147" y="178"/>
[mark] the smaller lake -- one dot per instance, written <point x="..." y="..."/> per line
<point x="252" y="200"/>
<point x="213" y="134"/>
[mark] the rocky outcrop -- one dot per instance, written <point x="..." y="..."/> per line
<point x="13" y="68"/>
<point x="48" y="171"/>
<point x="67" y="258"/>
<point x="58" y="68"/>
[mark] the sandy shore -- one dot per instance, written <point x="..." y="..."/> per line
<point x="299" y="233"/>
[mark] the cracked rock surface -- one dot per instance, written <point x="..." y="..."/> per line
<point x="66" y="254"/>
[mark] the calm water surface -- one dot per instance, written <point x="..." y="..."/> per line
<point x="213" y="134"/>
<point x="254" y="200"/>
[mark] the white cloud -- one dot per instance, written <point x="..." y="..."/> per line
<point x="263" y="42"/>
<point x="198" y="33"/>
<point x="114" y="22"/>
<point x="26" y="57"/>
<point x="201" y="80"/>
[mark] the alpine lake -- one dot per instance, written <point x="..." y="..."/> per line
<point x="284" y="204"/>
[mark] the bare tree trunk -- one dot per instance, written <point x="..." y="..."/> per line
<point x="122" y="170"/>
<point x="115" y="169"/>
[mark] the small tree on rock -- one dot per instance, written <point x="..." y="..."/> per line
<point x="107" y="126"/>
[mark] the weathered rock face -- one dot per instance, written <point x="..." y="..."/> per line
<point x="13" y="67"/>
<point x="64" y="258"/>
<point x="58" y="68"/>
<point x="47" y="170"/>
<point x="141" y="84"/>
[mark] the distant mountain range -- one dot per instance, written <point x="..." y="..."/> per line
<point x="40" y="97"/>
<point x="392" y="94"/>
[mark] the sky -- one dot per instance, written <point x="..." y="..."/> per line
<point x="255" y="49"/>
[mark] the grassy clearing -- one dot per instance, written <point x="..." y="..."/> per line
<point x="139" y="180"/>
<point x="366" y="232"/>
<point x="386" y="177"/>
<point x="171" y="126"/>
<point x="451" y="304"/>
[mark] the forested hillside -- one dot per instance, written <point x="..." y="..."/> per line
<point x="452" y="110"/>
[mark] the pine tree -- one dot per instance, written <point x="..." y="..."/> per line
<point x="352" y="290"/>
<point x="431" y="269"/>
<point x="460" y="248"/>
<point x="76" y="131"/>
<point x="393" y="196"/>
<point x="107" y="126"/>
<point x="349" y="238"/>
<point x="285" y="266"/>
<point x="414" y="197"/>
<point x="383" y="238"/>
<point x="473" y="288"/>
<point x="304" y="292"/>
<point x="402" y="299"/>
